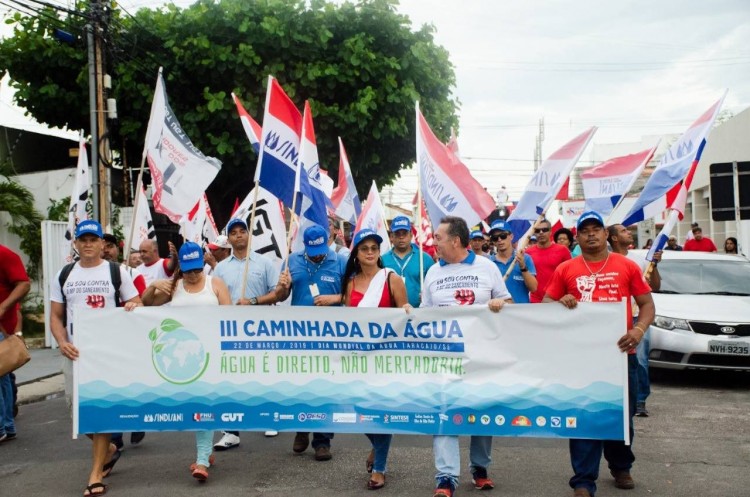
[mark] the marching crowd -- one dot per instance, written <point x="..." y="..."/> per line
<point x="328" y="274"/>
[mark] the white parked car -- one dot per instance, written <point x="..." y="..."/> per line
<point x="702" y="312"/>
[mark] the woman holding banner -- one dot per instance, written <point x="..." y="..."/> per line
<point x="367" y="283"/>
<point x="192" y="287"/>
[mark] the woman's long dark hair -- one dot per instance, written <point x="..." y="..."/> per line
<point x="734" y="240"/>
<point x="175" y="280"/>
<point x="352" y="268"/>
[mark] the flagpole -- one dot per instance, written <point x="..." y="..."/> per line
<point x="420" y="233"/>
<point x="523" y="243"/>
<point x="292" y="219"/>
<point x="136" y="201"/>
<point x="249" y="241"/>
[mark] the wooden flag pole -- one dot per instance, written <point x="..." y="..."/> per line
<point x="523" y="243"/>
<point x="136" y="201"/>
<point x="292" y="220"/>
<point x="420" y="235"/>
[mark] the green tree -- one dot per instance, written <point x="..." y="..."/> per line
<point x="26" y="221"/>
<point x="361" y="66"/>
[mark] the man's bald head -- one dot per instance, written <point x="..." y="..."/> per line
<point x="149" y="251"/>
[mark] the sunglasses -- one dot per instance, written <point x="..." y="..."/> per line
<point x="541" y="230"/>
<point x="499" y="236"/>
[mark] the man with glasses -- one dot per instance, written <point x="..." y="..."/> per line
<point x="522" y="278"/>
<point x="547" y="255"/>
<point x="404" y="258"/>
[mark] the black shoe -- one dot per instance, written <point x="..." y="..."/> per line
<point x="640" y="410"/>
<point x="137" y="437"/>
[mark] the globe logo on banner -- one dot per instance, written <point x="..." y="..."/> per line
<point x="177" y="354"/>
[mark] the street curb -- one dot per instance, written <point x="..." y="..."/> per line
<point x="29" y="382"/>
<point x="33" y="399"/>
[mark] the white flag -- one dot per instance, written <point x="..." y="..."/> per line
<point x="373" y="217"/>
<point x="143" y="228"/>
<point x="80" y="194"/>
<point x="179" y="171"/>
<point x="269" y="232"/>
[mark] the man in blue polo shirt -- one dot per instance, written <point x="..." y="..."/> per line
<point x="313" y="276"/>
<point x="522" y="278"/>
<point x="260" y="289"/>
<point x="404" y="259"/>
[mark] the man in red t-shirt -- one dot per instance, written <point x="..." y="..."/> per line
<point x="598" y="275"/>
<point x="14" y="285"/>
<point x="699" y="243"/>
<point x="547" y="255"/>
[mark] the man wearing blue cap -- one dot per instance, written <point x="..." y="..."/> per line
<point x="88" y="282"/>
<point x="476" y="242"/>
<point x="313" y="276"/>
<point x="260" y="288"/>
<point x="522" y="278"/>
<point x="599" y="275"/>
<point x="403" y="258"/>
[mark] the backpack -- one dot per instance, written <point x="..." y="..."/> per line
<point x="114" y="274"/>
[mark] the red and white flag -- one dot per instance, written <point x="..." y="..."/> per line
<point x="198" y="225"/>
<point x="250" y="125"/>
<point x="345" y="198"/>
<point x="448" y="189"/>
<point x="546" y="183"/>
<point x="424" y="236"/>
<point x="606" y="183"/>
<point x="180" y="173"/>
<point x="373" y="217"/>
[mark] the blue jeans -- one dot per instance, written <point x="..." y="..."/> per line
<point x="448" y="456"/>
<point x="586" y="454"/>
<point x="380" y="445"/>
<point x="321" y="440"/>
<point x="7" y="426"/>
<point x="644" y="384"/>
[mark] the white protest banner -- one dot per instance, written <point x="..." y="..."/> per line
<point x="452" y="371"/>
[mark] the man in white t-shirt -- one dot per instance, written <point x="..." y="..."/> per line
<point x="153" y="267"/>
<point x="480" y="284"/>
<point x="91" y="278"/>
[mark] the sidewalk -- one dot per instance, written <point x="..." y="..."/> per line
<point x="41" y="378"/>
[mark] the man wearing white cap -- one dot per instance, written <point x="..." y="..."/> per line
<point x="403" y="258"/>
<point x="313" y="276"/>
<point x="218" y="250"/>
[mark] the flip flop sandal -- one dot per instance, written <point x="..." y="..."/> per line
<point x="107" y="468"/>
<point x="94" y="486"/>
<point x="200" y="474"/>
<point x="376" y="485"/>
<point x="211" y="462"/>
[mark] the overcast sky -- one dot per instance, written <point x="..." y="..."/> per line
<point x="633" y="68"/>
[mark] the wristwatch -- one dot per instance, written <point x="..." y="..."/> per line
<point x="525" y="270"/>
<point x="254" y="301"/>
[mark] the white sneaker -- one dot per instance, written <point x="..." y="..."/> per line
<point x="271" y="433"/>
<point x="227" y="441"/>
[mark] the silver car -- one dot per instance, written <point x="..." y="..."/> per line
<point x="702" y="312"/>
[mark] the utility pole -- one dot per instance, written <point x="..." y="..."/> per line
<point x="538" y="146"/>
<point x="100" y="150"/>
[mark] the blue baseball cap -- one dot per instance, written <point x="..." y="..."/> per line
<point x="89" y="227"/>
<point x="236" y="222"/>
<point x="500" y="225"/>
<point x="476" y="234"/>
<point x="589" y="216"/>
<point x="400" y="223"/>
<point x="316" y="240"/>
<point x="363" y="234"/>
<point x="190" y="256"/>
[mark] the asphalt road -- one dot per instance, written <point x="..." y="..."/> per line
<point x="695" y="443"/>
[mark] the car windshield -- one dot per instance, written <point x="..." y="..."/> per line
<point x="718" y="277"/>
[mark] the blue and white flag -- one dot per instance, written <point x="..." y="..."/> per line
<point x="666" y="187"/>
<point x="279" y="157"/>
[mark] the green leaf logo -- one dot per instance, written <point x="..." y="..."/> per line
<point x="169" y="325"/>
<point x="152" y="335"/>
